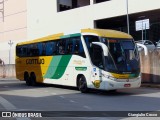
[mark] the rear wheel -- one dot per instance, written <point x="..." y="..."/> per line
<point x="33" y="79"/>
<point x="82" y="84"/>
<point x="26" y="78"/>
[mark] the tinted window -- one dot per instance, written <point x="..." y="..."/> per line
<point x="23" y="51"/>
<point x="148" y="43"/>
<point x="89" y="39"/>
<point x="78" y="47"/>
<point x="61" y="47"/>
<point x="97" y="56"/>
<point x="128" y="45"/>
<point x="69" y="46"/>
<point x="40" y="48"/>
<point x="51" y="48"/>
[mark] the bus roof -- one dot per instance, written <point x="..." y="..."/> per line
<point x="100" y="32"/>
<point x="43" y="39"/>
<point x="107" y="33"/>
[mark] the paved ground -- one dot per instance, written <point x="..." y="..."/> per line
<point x="16" y="96"/>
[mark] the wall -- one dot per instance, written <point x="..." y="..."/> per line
<point x="46" y="20"/>
<point x="7" y="71"/>
<point x="13" y="28"/>
<point x="150" y="66"/>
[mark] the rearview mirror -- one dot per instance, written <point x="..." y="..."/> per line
<point x="144" y="47"/>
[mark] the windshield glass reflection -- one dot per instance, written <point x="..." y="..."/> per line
<point x="123" y="55"/>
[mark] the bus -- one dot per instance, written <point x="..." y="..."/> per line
<point x="91" y="58"/>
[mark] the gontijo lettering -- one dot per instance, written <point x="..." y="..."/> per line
<point x="35" y="61"/>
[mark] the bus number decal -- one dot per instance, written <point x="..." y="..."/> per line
<point x="35" y="61"/>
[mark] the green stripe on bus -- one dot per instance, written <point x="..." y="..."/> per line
<point x="65" y="36"/>
<point x="75" y="35"/>
<point x="53" y="66"/>
<point x="63" y="63"/>
<point x="71" y="35"/>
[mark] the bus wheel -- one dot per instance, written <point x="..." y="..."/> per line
<point x="82" y="84"/>
<point x="33" y="79"/>
<point x="26" y="78"/>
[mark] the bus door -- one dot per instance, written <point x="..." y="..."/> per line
<point x="97" y="59"/>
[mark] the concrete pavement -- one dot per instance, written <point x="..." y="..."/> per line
<point x="151" y="85"/>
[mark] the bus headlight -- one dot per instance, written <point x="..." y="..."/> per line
<point x="109" y="77"/>
<point x="112" y="78"/>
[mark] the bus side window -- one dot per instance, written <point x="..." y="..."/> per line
<point x="40" y="49"/>
<point x="54" y="43"/>
<point x="89" y="39"/>
<point x="43" y="49"/>
<point x="28" y="51"/>
<point x="31" y="52"/>
<point x="69" y="46"/>
<point x="61" y="47"/>
<point x="35" y="50"/>
<point x="78" y="47"/>
<point x="24" y="51"/>
<point x="18" y="51"/>
<point x="49" y="48"/>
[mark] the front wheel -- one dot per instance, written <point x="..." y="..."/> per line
<point x="82" y="84"/>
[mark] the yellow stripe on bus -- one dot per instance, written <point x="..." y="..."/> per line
<point x="120" y="76"/>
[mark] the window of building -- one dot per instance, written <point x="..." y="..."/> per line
<point x="99" y="1"/>
<point x="63" y="5"/>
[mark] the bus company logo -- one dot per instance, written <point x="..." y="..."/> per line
<point x="78" y="62"/>
<point x="35" y="61"/>
<point x="96" y="83"/>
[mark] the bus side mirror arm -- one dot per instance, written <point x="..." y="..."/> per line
<point x="103" y="46"/>
<point x="145" y="48"/>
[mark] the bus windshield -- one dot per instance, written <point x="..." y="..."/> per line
<point x="123" y="56"/>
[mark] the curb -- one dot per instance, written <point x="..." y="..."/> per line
<point x="151" y="85"/>
<point x="147" y="85"/>
<point x="8" y="78"/>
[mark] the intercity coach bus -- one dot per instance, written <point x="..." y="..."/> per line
<point x="91" y="58"/>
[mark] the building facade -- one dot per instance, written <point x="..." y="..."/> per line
<point x="13" y="27"/>
<point x="45" y="17"/>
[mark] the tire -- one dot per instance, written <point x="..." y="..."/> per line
<point x="82" y="84"/>
<point x="33" y="79"/>
<point x="26" y="78"/>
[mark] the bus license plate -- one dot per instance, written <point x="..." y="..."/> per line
<point x="127" y="85"/>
